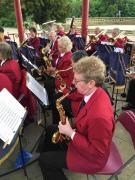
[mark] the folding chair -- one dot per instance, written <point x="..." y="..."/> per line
<point x="113" y="164"/>
<point x="127" y="119"/>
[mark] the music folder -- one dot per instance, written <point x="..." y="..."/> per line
<point x="37" y="89"/>
<point x="12" y="115"/>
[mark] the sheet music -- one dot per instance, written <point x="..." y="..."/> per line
<point x="37" y="89"/>
<point x="11" y="116"/>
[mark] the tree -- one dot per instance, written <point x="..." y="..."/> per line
<point x="76" y="8"/>
<point x="7" y="15"/>
<point x="45" y="10"/>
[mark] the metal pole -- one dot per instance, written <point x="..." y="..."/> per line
<point x="19" y="20"/>
<point x="85" y="15"/>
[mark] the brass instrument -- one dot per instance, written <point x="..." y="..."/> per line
<point x="57" y="136"/>
<point x="24" y="43"/>
<point x="112" y="40"/>
<point x="43" y="51"/>
<point x="1" y="37"/>
<point x="58" y="76"/>
<point x="94" y="38"/>
<point x="47" y="61"/>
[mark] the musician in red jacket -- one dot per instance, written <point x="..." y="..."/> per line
<point x="33" y="40"/>
<point x="91" y="136"/>
<point x="2" y="36"/>
<point x="60" y="30"/>
<point x="52" y="47"/>
<point x="10" y="67"/>
<point x="61" y="71"/>
<point x="5" y="83"/>
<point x="118" y="41"/>
<point x="62" y="64"/>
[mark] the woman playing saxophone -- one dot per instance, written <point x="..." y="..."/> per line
<point x="90" y="144"/>
<point x="61" y="64"/>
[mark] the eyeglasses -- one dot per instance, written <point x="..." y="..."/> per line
<point x="77" y="81"/>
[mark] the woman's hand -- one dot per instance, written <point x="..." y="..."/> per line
<point x="65" y="129"/>
<point x="132" y="75"/>
<point x="51" y="70"/>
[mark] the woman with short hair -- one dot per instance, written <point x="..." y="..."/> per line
<point x="91" y="136"/>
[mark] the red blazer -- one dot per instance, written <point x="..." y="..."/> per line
<point x="5" y="83"/>
<point x="89" y="150"/>
<point x="60" y="33"/>
<point x="103" y="37"/>
<point x="75" y="99"/>
<point x="119" y="42"/>
<point x="34" y="42"/>
<point x="12" y="70"/>
<point x="65" y="64"/>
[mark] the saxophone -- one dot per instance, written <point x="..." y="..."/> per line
<point x="57" y="136"/>
<point x="58" y="76"/>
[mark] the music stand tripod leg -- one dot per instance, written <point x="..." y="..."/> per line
<point x="22" y="156"/>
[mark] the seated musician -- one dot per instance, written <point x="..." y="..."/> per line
<point x="52" y="47"/>
<point x="33" y="40"/>
<point x="63" y="65"/>
<point x="60" y="30"/>
<point x="10" y="67"/>
<point x="2" y="36"/>
<point x="98" y="38"/>
<point x="90" y="139"/>
<point x="72" y="34"/>
<point x="116" y="40"/>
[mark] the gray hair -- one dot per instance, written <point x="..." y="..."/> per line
<point x="91" y="68"/>
<point x="65" y="43"/>
<point x="116" y="31"/>
<point x="5" y="50"/>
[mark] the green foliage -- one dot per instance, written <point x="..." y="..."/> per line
<point x="76" y="8"/>
<point x="41" y="11"/>
<point x="45" y="10"/>
<point x="112" y="8"/>
<point x="28" y="22"/>
<point x="7" y="15"/>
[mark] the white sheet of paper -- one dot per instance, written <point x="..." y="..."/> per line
<point x="37" y="89"/>
<point x="11" y="116"/>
